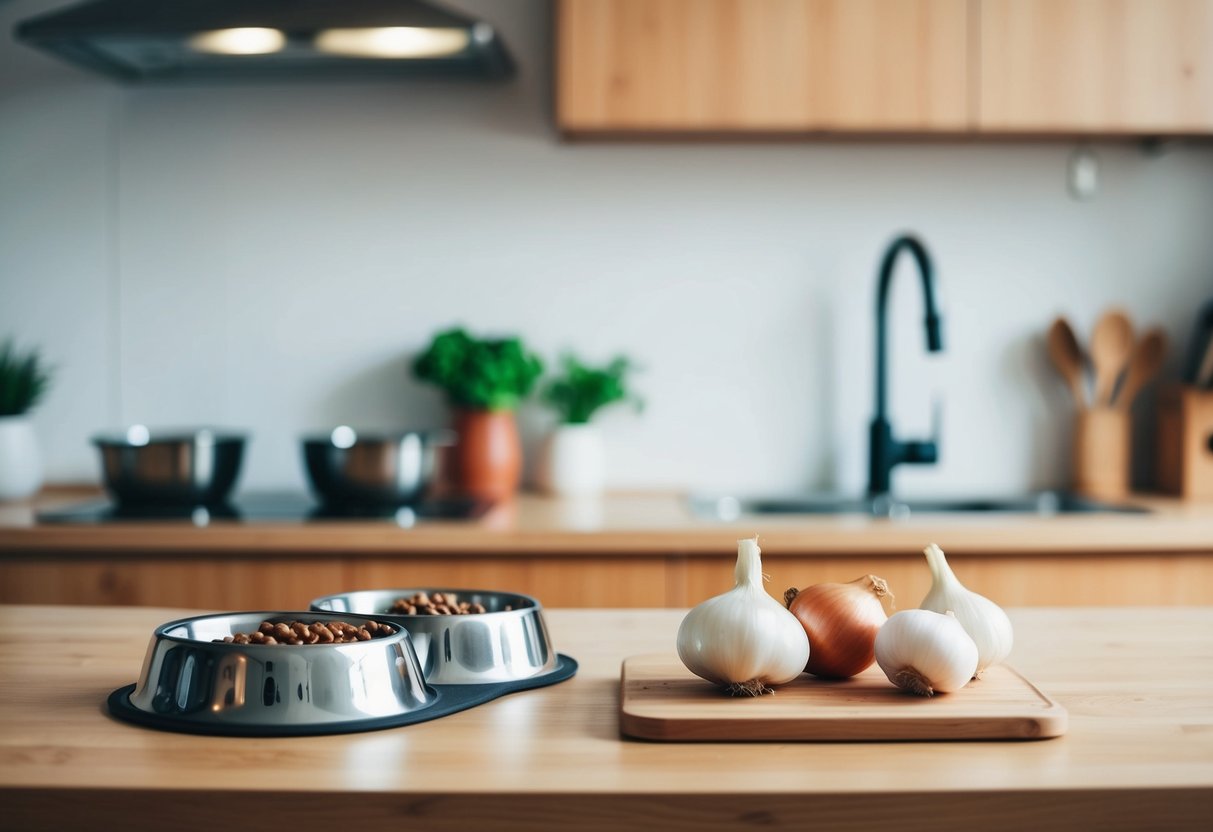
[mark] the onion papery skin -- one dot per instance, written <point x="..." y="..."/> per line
<point x="841" y="621"/>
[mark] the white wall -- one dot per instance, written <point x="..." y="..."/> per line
<point x="269" y="256"/>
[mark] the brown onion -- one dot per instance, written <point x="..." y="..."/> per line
<point x="842" y="621"/>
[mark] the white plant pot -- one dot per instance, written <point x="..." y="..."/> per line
<point x="571" y="461"/>
<point x="20" y="464"/>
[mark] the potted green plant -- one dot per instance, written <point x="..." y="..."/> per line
<point x="484" y="380"/>
<point x="24" y="380"/>
<point x="572" y="458"/>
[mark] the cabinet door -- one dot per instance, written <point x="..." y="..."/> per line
<point x="1098" y="66"/>
<point x="761" y="65"/>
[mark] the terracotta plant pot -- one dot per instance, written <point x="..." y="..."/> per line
<point x="488" y="458"/>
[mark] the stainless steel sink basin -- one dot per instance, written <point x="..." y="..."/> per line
<point x="1045" y="503"/>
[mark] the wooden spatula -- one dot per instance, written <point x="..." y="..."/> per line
<point x="1143" y="365"/>
<point x="1111" y="346"/>
<point x="1067" y="358"/>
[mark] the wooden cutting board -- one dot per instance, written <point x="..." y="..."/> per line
<point x="662" y="700"/>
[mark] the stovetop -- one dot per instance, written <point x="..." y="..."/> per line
<point x="268" y="507"/>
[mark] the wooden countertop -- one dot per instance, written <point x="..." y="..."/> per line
<point x="621" y="524"/>
<point x="1138" y="754"/>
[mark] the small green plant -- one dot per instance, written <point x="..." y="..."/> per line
<point x="24" y="379"/>
<point x="478" y="373"/>
<point x="580" y="391"/>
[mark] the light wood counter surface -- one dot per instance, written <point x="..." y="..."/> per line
<point x="1138" y="754"/>
<point x="624" y="550"/>
<point x="619" y="525"/>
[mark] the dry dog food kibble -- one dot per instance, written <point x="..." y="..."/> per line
<point x="318" y="632"/>
<point x="436" y="604"/>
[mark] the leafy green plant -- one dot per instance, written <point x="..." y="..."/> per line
<point x="479" y="373"/>
<point x="579" y="391"/>
<point x="24" y="379"/>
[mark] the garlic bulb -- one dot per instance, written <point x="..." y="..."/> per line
<point x="925" y="652"/>
<point x="983" y="620"/>
<point x="744" y="639"/>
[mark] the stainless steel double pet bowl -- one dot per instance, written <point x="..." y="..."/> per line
<point x="431" y="666"/>
<point x="498" y="645"/>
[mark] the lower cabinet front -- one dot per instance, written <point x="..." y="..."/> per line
<point x="258" y="581"/>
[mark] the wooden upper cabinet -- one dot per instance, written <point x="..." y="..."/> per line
<point x="762" y="65"/>
<point x="998" y="67"/>
<point x="1096" y="66"/>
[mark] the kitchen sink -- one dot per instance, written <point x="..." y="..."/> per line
<point x="1044" y="503"/>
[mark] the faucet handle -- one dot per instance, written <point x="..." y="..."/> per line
<point x="925" y="451"/>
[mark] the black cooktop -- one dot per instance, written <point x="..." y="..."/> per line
<point x="263" y="507"/>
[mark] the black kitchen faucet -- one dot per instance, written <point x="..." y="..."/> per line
<point x="884" y="450"/>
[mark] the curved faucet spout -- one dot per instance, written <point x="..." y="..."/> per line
<point x="910" y="243"/>
<point x="884" y="450"/>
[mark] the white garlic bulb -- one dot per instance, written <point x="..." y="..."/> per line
<point x="925" y="652"/>
<point x="982" y="619"/>
<point x="744" y="640"/>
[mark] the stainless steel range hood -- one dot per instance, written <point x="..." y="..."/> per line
<point x="182" y="40"/>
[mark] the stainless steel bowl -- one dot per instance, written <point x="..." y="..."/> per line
<point x="170" y="467"/>
<point x="190" y="682"/>
<point x="347" y="467"/>
<point x="494" y="646"/>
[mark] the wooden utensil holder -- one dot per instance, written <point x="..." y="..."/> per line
<point x="1185" y="442"/>
<point x="1101" y="453"/>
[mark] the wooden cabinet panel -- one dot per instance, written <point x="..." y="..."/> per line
<point x="762" y="65"/>
<point x="249" y="583"/>
<point x="1013" y="580"/>
<point x="557" y="582"/>
<point x="228" y="583"/>
<point x="1100" y="66"/>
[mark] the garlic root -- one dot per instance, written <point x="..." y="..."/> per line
<point x="913" y="681"/>
<point x="754" y="687"/>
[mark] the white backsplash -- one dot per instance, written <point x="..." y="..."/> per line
<point x="270" y="256"/>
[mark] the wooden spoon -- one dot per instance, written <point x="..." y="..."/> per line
<point x="1111" y="346"/>
<point x="1067" y="358"/>
<point x="1143" y="365"/>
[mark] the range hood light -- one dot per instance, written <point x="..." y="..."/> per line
<point x="246" y="40"/>
<point x="272" y="40"/>
<point x="392" y="42"/>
